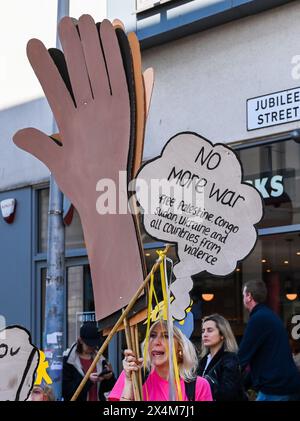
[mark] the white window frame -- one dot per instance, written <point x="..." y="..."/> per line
<point x="143" y="5"/>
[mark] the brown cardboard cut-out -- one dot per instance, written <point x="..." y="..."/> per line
<point x="140" y="99"/>
<point x="19" y="360"/>
<point x="132" y="64"/>
<point x="128" y="67"/>
<point x="136" y="107"/>
<point x="117" y="23"/>
<point x="95" y="137"/>
<point x="60" y="62"/>
<point x="139" y="86"/>
<point x="132" y="321"/>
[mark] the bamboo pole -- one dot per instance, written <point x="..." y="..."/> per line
<point x="136" y="336"/>
<point x="131" y="345"/>
<point x="135" y="348"/>
<point x="120" y="320"/>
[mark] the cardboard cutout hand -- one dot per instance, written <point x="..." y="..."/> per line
<point x="95" y="133"/>
<point x="141" y="84"/>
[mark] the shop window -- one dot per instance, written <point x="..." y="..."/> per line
<point x="75" y="299"/>
<point x="217" y="295"/>
<point x="275" y="259"/>
<point x="145" y="237"/>
<point x="80" y="299"/>
<point x="274" y="169"/>
<point x="74" y="233"/>
<point x="43" y="204"/>
<point x="74" y="238"/>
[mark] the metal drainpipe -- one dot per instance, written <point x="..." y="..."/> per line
<point x="53" y="335"/>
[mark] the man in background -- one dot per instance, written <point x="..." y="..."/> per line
<point x="265" y="349"/>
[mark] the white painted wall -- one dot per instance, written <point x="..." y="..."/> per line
<point x="21" y="102"/>
<point x="202" y="81"/>
<point x="21" y="98"/>
<point x="17" y="167"/>
<point x="20" y="21"/>
<point x="95" y="8"/>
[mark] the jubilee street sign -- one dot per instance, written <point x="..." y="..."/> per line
<point x="273" y="109"/>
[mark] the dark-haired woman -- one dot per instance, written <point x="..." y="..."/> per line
<point x="76" y="363"/>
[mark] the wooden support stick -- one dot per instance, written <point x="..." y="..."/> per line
<point x="137" y="347"/>
<point x="115" y="328"/>
<point x="131" y="345"/>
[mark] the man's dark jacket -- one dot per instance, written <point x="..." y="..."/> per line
<point x="265" y="348"/>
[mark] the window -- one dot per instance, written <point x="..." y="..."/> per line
<point x="274" y="169"/>
<point x="43" y="205"/>
<point x="80" y="299"/>
<point x="73" y="233"/>
<point x="142" y="5"/>
<point x="275" y="260"/>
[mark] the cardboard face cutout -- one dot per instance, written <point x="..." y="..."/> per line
<point x="193" y="196"/>
<point x="93" y="105"/>
<point x="19" y="360"/>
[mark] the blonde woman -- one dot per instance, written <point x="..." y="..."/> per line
<point x="156" y="386"/>
<point x="41" y="393"/>
<point x="219" y="362"/>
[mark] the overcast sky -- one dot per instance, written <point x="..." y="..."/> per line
<point x="20" y="21"/>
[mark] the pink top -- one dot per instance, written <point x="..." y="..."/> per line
<point x="157" y="389"/>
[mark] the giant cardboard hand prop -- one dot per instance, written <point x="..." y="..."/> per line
<point x="95" y="126"/>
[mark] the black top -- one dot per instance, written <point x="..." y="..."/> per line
<point x="224" y="376"/>
<point x="265" y="348"/>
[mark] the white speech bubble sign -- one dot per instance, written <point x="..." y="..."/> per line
<point x="193" y="195"/>
<point x="19" y="360"/>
